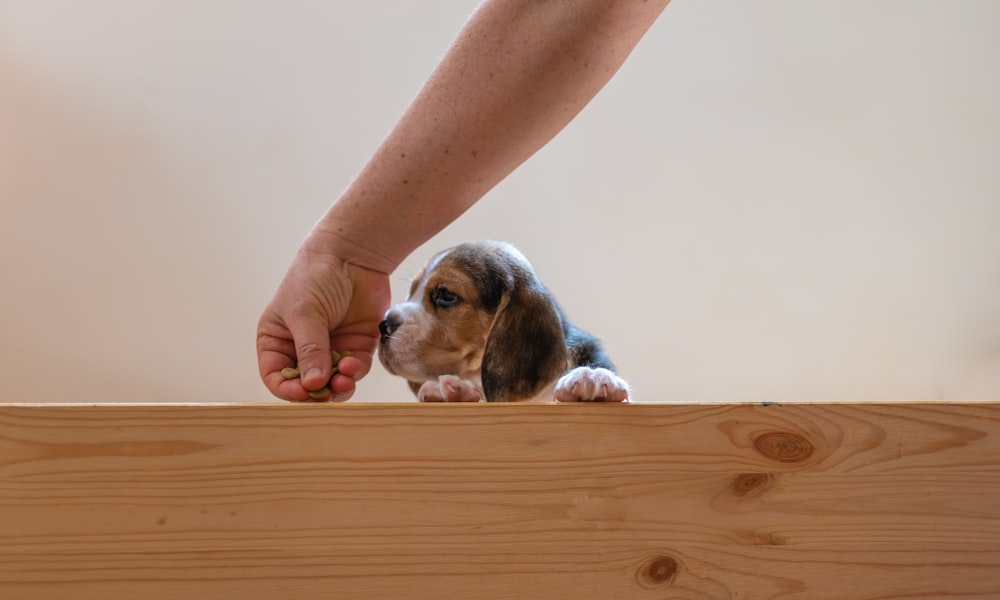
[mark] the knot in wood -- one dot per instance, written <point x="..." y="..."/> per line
<point x="659" y="571"/>
<point x="751" y="484"/>
<point x="783" y="446"/>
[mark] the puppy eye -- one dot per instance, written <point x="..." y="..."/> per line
<point x="444" y="298"/>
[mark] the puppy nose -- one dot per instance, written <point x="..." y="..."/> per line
<point x="389" y="325"/>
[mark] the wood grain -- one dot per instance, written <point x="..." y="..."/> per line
<point x="807" y="501"/>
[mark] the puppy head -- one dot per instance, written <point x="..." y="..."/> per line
<point x="477" y="311"/>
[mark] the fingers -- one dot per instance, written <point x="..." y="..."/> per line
<point x="296" y="364"/>
<point x="279" y="349"/>
<point x="277" y="353"/>
<point x="350" y="369"/>
<point x="321" y="306"/>
<point x="312" y="347"/>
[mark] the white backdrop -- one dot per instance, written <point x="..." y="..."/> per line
<point x="773" y="201"/>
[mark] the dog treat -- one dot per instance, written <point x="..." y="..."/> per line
<point x="319" y="394"/>
<point x="336" y="356"/>
<point x="325" y="391"/>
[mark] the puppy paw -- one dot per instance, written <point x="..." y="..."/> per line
<point x="585" y="384"/>
<point x="450" y="388"/>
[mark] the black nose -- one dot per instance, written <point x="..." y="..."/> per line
<point x="389" y="325"/>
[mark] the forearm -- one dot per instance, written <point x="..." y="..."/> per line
<point x="518" y="72"/>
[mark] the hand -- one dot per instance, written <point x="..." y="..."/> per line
<point x="322" y="303"/>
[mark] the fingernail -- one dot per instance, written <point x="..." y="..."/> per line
<point x="313" y="372"/>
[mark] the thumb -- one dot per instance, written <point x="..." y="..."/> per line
<point x="312" y="349"/>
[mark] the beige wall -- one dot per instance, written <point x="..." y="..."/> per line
<point x="778" y="200"/>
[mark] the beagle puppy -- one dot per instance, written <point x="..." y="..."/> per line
<point x="480" y="325"/>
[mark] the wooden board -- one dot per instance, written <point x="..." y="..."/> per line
<point x="356" y="501"/>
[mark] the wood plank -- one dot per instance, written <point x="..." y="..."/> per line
<point x="809" y="501"/>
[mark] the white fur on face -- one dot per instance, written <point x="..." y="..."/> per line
<point x="400" y="354"/>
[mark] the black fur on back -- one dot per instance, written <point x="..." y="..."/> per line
<point x="584" y="349"/>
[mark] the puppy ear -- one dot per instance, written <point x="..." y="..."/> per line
<point x="526" y="346"/>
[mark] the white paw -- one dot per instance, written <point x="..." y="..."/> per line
<point x="586" y="384"/>
<point x="450" y="388"/>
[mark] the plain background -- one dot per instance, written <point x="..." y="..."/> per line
<point x="773" y="201"/>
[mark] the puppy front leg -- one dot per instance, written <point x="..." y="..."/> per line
<point x="450" y="388"/>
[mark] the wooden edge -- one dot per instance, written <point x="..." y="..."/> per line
<point x="810" y="501"/>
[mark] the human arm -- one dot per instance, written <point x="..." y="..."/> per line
<point x="519" y="71"/>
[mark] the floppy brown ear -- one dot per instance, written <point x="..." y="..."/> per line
<point x="526" y="347"/>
